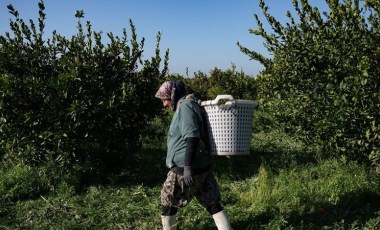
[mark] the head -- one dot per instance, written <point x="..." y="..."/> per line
<point x="170" y="92"/>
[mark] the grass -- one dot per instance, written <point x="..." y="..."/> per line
<point x="282" y="184"/>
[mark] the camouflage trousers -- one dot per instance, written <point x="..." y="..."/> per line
<point x="175" y="193"/>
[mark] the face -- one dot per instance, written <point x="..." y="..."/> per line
<point x="167" y="103"/>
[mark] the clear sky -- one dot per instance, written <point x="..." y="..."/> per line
<point x="200" y="34"/>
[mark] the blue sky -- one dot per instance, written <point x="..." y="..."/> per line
<point x="200" y="34"/>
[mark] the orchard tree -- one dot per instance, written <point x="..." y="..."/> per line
<point x="74" y="100"/>
<point x="230" y="81"/>
<point x="323" y="82"/>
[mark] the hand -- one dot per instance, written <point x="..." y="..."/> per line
<point x="188" y="176"/>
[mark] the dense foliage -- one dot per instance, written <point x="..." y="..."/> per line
<point x="323" y="81"/>
<point x="217" y="82"/>
<point x="237" y="84"/>
<point x="74" y="100"/>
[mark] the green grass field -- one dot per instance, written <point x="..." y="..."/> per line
<point x="282" y="184"/>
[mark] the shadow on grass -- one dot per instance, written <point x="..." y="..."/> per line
<point x="7" y="214"/>
<point x="148" y="166"/>
<point x="352" y="210"/>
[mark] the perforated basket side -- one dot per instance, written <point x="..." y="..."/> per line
<point x="230" y="129"/>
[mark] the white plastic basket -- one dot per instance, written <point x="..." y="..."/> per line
<point x="230" y="125"/>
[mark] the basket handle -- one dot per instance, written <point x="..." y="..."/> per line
<point x="220" y="97"/>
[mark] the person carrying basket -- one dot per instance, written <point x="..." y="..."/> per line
<point x="188" y="159"/>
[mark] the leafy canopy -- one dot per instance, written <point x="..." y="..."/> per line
<point x="69" y="100"/>
<point x="323" y="81"/>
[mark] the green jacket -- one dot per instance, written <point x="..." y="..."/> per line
<point x="186" y="122"/>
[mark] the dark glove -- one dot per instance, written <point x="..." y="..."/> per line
<point x="188" y="176"/>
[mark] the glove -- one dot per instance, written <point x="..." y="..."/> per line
<point x="188" y="176"/>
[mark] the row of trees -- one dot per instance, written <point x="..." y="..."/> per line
<point x="230" y="81"/>
<point x="79" y="101"/>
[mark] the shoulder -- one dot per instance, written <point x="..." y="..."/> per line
<point x="187" y="104"/>
<point x="188" y="109"/>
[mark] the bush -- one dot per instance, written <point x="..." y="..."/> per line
<point x="323" y="82"/>
<point x="237" y="84"/>
<point x="74" y="100"/>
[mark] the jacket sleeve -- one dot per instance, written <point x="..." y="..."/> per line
<point x="192" y="144"/>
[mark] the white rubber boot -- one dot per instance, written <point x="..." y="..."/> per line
<point x="169" y="222"/>
<point x="221" y="221"/>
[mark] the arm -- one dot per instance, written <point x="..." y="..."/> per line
<point x="191" y="150"/>
<point x="192" y="144"/>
